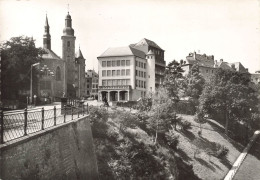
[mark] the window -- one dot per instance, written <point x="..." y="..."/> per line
<point x="123" y="81"/>
<point x="141" y="73"/>
<point x="144" y="65"/>
<point x="87" y="86"/>
<point x="113" y="72"/>
<point x="68" y="44"/>
<point x="103" y="72"/>
<point x="123" y="72"/>
<point x="114" y="82"/>
<point x="128" y="72"/>
<point x="212" y="71"/>
<point x="144" y="74"/>
<point x="118" y="63"/>
<point x="109" y="82"/>
<point x="207" y="71"/>
<point x="128" y="82"/>
<point x="58" y="74"/>
<point x="108" y="63"/>
<point x="122" y="62"/>
<point x="87" y="80"/>
<point x="118" y="72"/>
<point x="136" y="63"/>
<point x="119" y="82"/>
<point x="113" y="63"/>
<point x="127" y="62"/>
<point x="104" y="63"/>
<point x="93" y="86"/>
<point x="136" y="83"/>
<point x="109" y="73"/>
<point x="144" y="84"/>
<point x="136" y="72"/>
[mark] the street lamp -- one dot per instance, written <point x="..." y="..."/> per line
<point x="31" y="82"/>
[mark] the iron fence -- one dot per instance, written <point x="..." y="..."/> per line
<point x="20" y="123"/>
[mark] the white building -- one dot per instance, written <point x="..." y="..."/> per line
<point x="128" y="73"/>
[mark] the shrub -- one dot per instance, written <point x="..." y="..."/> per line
<point x="172" y="139"/>
<point x="222" y="151"/>
<point x="185" y="125"/>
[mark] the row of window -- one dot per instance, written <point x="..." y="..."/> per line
<point x="115" y="82"/>
<point x="140" y="73"/>
<point x="141" y="84"/>
<point x="116" y="63"/>
<point x="122" y="72"/>
<point x="141" y="64"/>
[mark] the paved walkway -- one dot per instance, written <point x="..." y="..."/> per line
<point x="241" y="157"/>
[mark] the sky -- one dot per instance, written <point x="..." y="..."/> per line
<point x="227" y="29"/>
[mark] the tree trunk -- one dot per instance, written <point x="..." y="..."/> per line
<point x="227" y="123"/>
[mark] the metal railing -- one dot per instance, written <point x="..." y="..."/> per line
<point x="17" y="124"/>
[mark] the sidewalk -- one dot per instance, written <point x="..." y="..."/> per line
<point x="241" y="157"/>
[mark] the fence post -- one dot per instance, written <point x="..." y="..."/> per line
<point x="25" y="121"/>
<point x="42" y="118"/>
<point x="55" y="116"/>
<point x="64" y="113"/>
<point x="83" y="109"/>
<point x="87" y="109"/>
<point x="78" y="111"/>
<point x="71" y="112"/>
<point x="2" y="127"/>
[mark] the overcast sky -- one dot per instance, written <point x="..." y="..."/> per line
<point x="227" y="29"/>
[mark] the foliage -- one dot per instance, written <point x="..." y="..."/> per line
<point x="229" y="97"/>
<point x="98" y="118"/>
<point x="222" y="151"/>
<point x="173" y="78"/>
<point x="185" y="125"/>
<point x="172" y="139"/>
<point x="144" y="104"/>
<point x="194" y="82"/>
<point x="18" y="54"/>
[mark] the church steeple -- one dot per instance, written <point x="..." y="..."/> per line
<point x="46" y="35"/>
<point x="68" y="30"/>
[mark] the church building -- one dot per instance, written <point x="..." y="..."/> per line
<point x="63" y="76"/>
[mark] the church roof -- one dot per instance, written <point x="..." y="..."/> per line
<point x="50" y="55"/>
<point x="148" y="42"/>
<point x="79" y="54"/>
<point x="123" y="51"/>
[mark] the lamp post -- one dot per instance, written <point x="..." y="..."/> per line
<point x="31" y="81"/>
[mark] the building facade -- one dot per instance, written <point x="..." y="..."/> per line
<point x="128" y="73"/>
<point x="63" y="76"/>
<point x="91" y="85"/>
<point x="208" y="65"/>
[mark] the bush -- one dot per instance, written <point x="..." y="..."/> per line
<point x="222" y="151"/>
<point x="172" y="139"/>
<point x="185" y="125"/>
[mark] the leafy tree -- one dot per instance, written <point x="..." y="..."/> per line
<point x="173" y="78"/>
<point x="194" y="82"/>
<point x="228" y="93"/>
<point x="18" y="54"/>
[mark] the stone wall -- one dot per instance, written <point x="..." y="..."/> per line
<point x="62" y="152"/>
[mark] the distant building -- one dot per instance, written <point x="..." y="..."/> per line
<point x="255" y="77"/>
<point x="130" y="72"/>
<point x="91" y="84"/>
<point x="208" y="65"/>
<point x="61" y="76"/>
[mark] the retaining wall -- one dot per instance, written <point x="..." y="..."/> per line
<point x="65" y="151"/>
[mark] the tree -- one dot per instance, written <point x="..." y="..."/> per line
<point x="228" y="93"/>
<point x="173" y="78"/>
<point x="194" y="82"/>
<point x="18" y="54"/>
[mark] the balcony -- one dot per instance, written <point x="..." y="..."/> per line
<point x="116" y="87"/>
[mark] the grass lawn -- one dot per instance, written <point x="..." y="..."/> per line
<point x="192" y="148"/>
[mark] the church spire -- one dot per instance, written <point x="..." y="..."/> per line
<point x="46" y="35"/>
